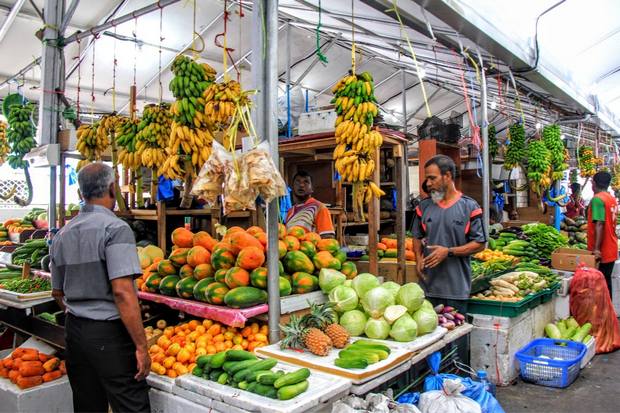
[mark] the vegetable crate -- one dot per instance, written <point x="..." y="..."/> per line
<point x="502" y="308"/>
<point x="551" y="363"/>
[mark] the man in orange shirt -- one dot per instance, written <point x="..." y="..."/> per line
<point x="308" y="212"/>
<point x="602" y="239"/>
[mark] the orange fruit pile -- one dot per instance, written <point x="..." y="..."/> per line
<point x="176" y="350"/>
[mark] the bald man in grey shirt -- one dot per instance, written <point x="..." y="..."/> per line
<point x="93" y="262"/>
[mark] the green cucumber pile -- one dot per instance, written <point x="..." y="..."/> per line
<point x="243" y="370"/>
<point x="361" y="354"/>
<point x="7" y="274"/>
<point x="33" y="251"/>
<point x="569" y="329"/>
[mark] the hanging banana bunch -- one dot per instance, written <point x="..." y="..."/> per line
<point x="516" y="151"/>
<point x="126" y="132"/>
<point x="153" y="134"/>
<point x="20" y="134"/>
<point x="615" y="177"/>
<point x="558" y="154"/>
<point x="587" y="161"/>
<point x="221" y="102"/>
<point x="539" y="166"/>
<point x="356" y="142"/>
<point x="190" y="140"/>
<point x="90" y="144"/>
<point x="4" y="143"/>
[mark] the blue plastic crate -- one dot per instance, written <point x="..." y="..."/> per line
<point x="551" y="363"/>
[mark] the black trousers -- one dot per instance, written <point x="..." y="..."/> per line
<point x="462" y="343"/>
<point x="607" y="269"/>
<point x="101" y="365"/>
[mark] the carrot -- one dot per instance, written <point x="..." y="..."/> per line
<point x="51" y="364"/>
<point x="13" y="375"/>
<point x="31" y="368"/>
<point x="8" y="363"/>
<point x="52" y="375"/>
<point x="27" y="382"/>
<point x="31" y="356"/>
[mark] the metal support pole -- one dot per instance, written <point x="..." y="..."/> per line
<point x="289" y="128"/>
<point x="52" y="78"/>
<point x="265" y="70"/>
<point x="403" y="77"/>
<point x="486" y="171"/>
<point x="8" y="22"/>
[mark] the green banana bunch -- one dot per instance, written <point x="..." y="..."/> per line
<point x="126" y="132"/>
<point x="538" y="165"/>
<point x="354" y="99"/>
<point x="493" y="145"/>
<point x="20" y="134"/>
<point x="552" y="137"/>
<point x="516" y="148"/>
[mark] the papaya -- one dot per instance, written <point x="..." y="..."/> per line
<point x="391" y="253"/>
<point x="390" y="242"/>
<point x="183" y="238"/>
<point x="242" y="297"/>
<point x="250" y="258"/>
<point x="313" y="237"/>
<point x="254" y="230"/>
<point x="340" y="255"/>
<point x="258" y="278"/>
<point x="222" y="259"/>
<point x="295" y="261"/>
<point x="165" y="267"/>
<point x="215" y="293"/>
<point x="292" y="243"/>
<point x="349" y="269"/>
<point x="234" y="229"/>
<point x="381" y="246"/>
<point x="324" y="259"/>
<point x="237" y="277"/>
<point x="222" y="245"/>
<point x="220" y="275"/>
<point x="304" y="283"/>
<point x="198" y="255"/>
<point x="185" y="287"/>
<point x="282" y="250"/>
<point x="281" y="268"/>
<point x="203" y="271"/>
<point x="203" y="239"/>
<point x="262" y="238"/>
<point x="186" y="271"/>
<point x="297" y="232"/>
<point x="409" y="255"/>
<point x="152" y="283"/>
<point x="285" y="287"/>
<point x="240" y="240"/>
<point x="200" y="289"/>
<point x="330" y="245"/>
<point x="282" y="232"/>
<point x="179" y="256"/>
<point x="308" y="248"/>
<point x="168" y="285"/>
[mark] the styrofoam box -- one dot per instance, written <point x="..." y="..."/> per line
<point x="316" y="122"/>
<point x="615" y="291"/>
<point x="501" y="369"/>
<point x="503" y="323"/>
<point x="590" y="353"/>
<point x="541" y="316"/>
<point x="503" y="341"/>
<point x="53" y="397"/>
<point x="562" y="307"/>
<point x="164" y="402"/>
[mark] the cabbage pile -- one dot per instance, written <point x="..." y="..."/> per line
<point x="379" y="311"/>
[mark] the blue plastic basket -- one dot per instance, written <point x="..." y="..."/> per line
<point x="549" y="362"/>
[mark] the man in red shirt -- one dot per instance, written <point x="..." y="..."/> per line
<point x="602" y="239"/>
<point x="307" y="212"/>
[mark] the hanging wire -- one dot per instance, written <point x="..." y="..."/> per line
<point x="226" y="51"/>
<point x="79" y="76"/>
<point x="114" y="62"/>
<point x="320" y="55"/>
<point x="92" y="86"/>
<point x="135" y="49"/>
<point x="161" y="39"/>
<point x="353" y="37"/>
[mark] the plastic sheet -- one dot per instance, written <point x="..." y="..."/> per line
<point x="448" y="400"/>
<point x="229" y="316"/>
<point x="590" y="302"/>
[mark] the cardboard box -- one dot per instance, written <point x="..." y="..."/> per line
<point x="568" y="258"/>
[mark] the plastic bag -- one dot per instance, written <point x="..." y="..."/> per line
<point x="472" y="389"/>
<point x="590" y="302"/>
<point x="263" y="175"/>
<point x="209" y="185"/>
<point x="448" y="400"/>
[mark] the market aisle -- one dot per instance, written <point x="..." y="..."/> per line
<point x="589" y="393"/>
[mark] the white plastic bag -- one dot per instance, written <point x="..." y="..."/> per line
<point x="448" y="400"/>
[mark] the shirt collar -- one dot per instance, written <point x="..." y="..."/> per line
<point x="96" y="208"/>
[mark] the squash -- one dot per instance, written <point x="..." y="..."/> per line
<point x="51" y="364"/>
<point x="52" y="375"/>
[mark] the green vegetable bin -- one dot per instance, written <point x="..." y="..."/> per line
<point x="502" y="308"/>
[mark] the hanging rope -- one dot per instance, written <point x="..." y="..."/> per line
<point x="135" y="49"/>
<point x="92" y="86"/>
<point x="79" y="76"/>
<point x="114" y="73"/>
<point x="475" y="130"/>
<point x="320" y="55"/>
<point x="353" y="37"/>
<point x="517" y="97"/>
<point x="161" y="39"/>
<point x="413" y="55"/>
<point x="226" y="51"/>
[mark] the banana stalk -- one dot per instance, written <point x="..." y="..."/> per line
<point x="120" y="201"/>
<point x="186" y="201"/>
<point x="153" y="186"/>
<point x="139" y="193"/>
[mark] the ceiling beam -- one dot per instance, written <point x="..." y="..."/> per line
<point x="8" y="22"/>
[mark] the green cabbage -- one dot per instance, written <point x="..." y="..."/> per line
<point x="394" y="312"/>
<point x="404" y="329"/>
<point x="411" y="296"/>
<point x="428" y="305"/>
<point x="354" y="322"/>
<point x="343" y="298"/>
<point x="377" y="328"/>
<point x="426" y="320"/>
<point x="392" y="287"/>
<point x="376" y="301"/>
<point x="348" y="283"/>
<point x="330" y="279"/>
<point x="363" y="283"/>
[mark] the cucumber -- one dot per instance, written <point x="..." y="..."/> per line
<point x="266" y="391"/>
<point x="372" y="344"/>
<point x="252" y="387"/>
<point x="244" y="385"/>
<point x="215" y="375"/>
<point x="351" y="363"/>
<point x="294" y="390"/>
<point x="203" y="360"/>
<point x="223" y="378"/>
<point x="380" y="353"/>
<point x="239" y="355"/>
<point x="292" y="378"/>
<point x="197" y="371"/>
<point x="269" y="379"/>
<point x="253" y="375"/>
<point x="217" y="361"/>
<point x="239" y="365"/>
<point x="266" y="364"/>
<point x="241" y="375"/>
<point x="370" y="357"/>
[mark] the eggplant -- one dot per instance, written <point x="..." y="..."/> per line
<point x="441" y="319"/>
<point x="449" y="316"/>
<point x="459" y="316"/>
<point x="448" y="309"/>
<point x="439" y="308"/>
<point x="450" y="325"/>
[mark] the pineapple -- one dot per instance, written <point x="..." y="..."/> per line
<point x="298" y="335"/>
<point x="322" y="317"/>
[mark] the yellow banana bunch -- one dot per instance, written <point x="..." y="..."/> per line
<point x="90" y="142"/>
<point x="153" y="135"/>
<point x="4" y="143"/>
<point x="172" y="167"/>
<point x="221" y="102"/>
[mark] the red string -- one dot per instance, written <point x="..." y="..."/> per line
<point x="79" y="76"/>
<point x="217" y="43"/>
<point x="241" y="9"/>
<point x="475" y="130"/>
<point x="502" y="107"/>
<point x="92" y="89"/>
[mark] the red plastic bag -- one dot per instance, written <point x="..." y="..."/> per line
<point x="590" y="302"/>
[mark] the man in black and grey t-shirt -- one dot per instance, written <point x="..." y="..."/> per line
<point x="447" y="230"/>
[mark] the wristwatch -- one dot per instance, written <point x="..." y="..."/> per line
<point x="450" y="253"/>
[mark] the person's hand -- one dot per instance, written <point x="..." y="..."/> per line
<point x="597" y="254"/>
<point x="436" y="257"/>
<point x="144" y="364"/>
<point x="420" y="266"/>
